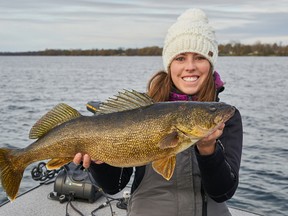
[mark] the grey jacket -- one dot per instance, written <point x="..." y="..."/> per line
<point x="182" y="195"/>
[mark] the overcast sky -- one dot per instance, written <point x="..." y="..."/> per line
<point x="32" y="25"/>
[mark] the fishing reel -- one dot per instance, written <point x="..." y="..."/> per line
<point x="93" y="106"/>
<point x="75" y="182"/>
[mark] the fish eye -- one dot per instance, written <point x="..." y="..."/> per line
<point x="212" y="108"/>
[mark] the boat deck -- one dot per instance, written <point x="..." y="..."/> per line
<point x="36" y="202"/>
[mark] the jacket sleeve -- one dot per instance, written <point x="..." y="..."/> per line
<point x="220" y="171"/>
<point x="110" y="179"/>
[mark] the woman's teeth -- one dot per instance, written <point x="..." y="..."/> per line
<point x="190" y="79"/>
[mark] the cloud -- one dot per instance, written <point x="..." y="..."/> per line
<point x="64" y="24"/>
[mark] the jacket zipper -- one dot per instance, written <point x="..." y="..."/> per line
<point x="204" y="201"/>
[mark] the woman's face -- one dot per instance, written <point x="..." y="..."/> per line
<point x="189" y="71"/>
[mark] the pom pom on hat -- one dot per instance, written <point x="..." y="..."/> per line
<point x="190" y="33"/>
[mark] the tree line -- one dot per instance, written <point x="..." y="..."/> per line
<point x="229" y="49"/>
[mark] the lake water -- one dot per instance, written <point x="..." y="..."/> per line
<point x="30" y="86"/>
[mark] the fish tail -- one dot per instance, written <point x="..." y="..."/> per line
<point x="10" y="175"/>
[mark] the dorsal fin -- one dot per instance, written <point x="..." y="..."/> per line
<point x="58" y="115"/>
<point x="126" y="100"/>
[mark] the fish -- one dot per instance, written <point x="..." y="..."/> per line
<point x="128" y="130"/>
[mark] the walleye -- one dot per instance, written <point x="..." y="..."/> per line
<point x="128" y="130"/>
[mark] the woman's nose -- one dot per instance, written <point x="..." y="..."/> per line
<point x="190" y="64"/>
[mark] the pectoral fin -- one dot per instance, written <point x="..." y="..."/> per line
<point x="169" y="141"/>
<point x="56" y="163"/>
<point x="165" y="167"/>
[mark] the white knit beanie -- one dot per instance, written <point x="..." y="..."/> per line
<point x="191" y="33"/>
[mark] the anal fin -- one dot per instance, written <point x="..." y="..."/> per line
<point x="56" y="163"/>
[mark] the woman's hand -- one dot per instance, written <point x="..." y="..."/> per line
<point x="86" y="160"/>
<point x="206" y="146"/>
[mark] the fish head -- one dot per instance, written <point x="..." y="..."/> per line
<point x="200" y="119"/>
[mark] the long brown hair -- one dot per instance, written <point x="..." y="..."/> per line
<point x="159" y="87"/>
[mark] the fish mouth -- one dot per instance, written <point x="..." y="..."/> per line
<point x="229" y="114"/>
<point x="225" y="117"/>
<point x="219" y="120"/>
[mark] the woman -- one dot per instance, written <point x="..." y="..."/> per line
<point x="206" y="174"/>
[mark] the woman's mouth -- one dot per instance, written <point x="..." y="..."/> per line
<point x="190" y="78"/>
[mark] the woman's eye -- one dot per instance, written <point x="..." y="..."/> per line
<point x="180" y="58"/>
<point x="200" y="58"/>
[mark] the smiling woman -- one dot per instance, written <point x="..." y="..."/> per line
<point x="189" y="71"/>
<point x="206" y="174"/>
